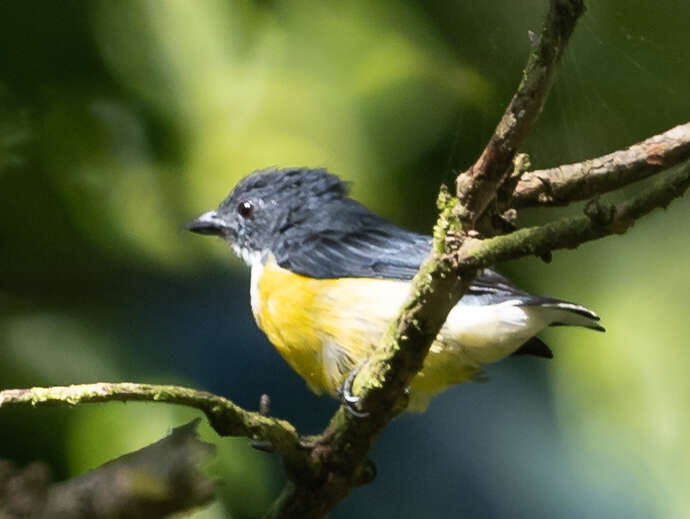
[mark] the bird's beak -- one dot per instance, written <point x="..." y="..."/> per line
<point x="208" y="223"/>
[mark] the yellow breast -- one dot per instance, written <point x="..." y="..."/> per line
<point x="322" y="327"/>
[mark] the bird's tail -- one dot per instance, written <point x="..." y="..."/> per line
<point x="564" y="313"/>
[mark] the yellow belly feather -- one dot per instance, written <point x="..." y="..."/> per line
<point x="324" y="328"/>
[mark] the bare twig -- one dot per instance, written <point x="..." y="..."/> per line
<point x="571" y="182"/>
<point x="477" y="187"/>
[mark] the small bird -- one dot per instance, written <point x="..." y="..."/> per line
<point x="328" y="276"/>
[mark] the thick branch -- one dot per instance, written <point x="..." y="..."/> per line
<point x="156" y="481"/>
<point x="583" y="180"/>
<point x="341" y="451"/>
<point x="599" y="221"/>
<point x="227" y="418"/>
<point x="450" y="272"/>
<point x="477" y="187"/>
<point x="343" y="448"/>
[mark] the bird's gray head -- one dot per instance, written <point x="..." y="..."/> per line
<point x="269" y="205"/>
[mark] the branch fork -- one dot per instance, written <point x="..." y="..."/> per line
<point x="475" y="229"/>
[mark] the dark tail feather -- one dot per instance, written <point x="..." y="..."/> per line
<point x="565" y="313"/>
<point x="535" y="346"/>
<point x="561" y="313"/>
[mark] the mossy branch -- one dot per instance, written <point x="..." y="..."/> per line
<point x="343" y="447"/>
<point x="227" y="418"/>
<point x="322" y="469"/>
<point x="599" y="220"/>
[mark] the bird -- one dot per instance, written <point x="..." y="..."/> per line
<point x="328" y="276"/>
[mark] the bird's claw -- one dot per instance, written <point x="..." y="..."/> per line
<point x="349" y="400"/>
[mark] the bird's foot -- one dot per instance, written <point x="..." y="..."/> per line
<point x="349" y="400"/>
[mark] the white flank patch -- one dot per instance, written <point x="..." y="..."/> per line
<point x="489" y="333"/>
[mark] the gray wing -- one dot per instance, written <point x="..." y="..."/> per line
<point x="350" y="241"/>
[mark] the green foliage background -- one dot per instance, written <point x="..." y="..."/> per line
<point x="119" y="121"/>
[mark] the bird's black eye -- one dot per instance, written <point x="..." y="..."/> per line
<point x="246" y="209"/>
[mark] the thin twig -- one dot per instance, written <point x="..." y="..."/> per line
<point x="477" y="187"/>
<point x="598" y="221"/>
<point x="583" y="180"/>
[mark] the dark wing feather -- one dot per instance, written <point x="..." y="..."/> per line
<point x="350" y="241"/>
<point x="346" y="240"/>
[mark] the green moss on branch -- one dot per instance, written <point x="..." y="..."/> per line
<point x="568" y="233"/>
<point x="227" y="418"/>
